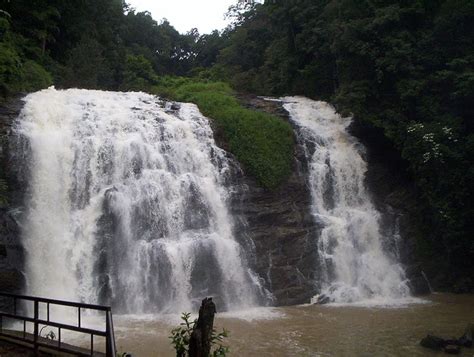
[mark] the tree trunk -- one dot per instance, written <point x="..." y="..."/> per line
<point x="200" y="342"/>
<point x="43" y="46"/>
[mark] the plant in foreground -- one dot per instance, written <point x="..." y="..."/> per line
<point x="181" y="336"/>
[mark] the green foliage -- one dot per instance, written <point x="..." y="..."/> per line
<point x="16" y="75"/>
<point x="100" y="44"/>
<point x="261" y="142"/>
<point x="10" y="68"/>
<point x="181" y="335"/>
<point x="16" y="72"/>
<point x="34" y="77"/>
<point x="139" y="74"/>
<point x="85" y="65"/>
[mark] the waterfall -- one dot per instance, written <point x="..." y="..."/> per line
<point x="126" y="204"/>
<point x="355" y="265"/>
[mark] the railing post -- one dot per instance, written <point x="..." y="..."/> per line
<point x="109" y="339"/>
<point x="37" y="341"/>
<point x="108" y="352"/>
<point x="36" y="332"/>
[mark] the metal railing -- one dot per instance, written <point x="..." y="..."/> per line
<point x="38" y="341"/>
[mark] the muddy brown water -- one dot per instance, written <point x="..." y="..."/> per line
<point x="312" y="330"/>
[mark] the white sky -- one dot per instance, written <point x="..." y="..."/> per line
<point x="205" y="15"/>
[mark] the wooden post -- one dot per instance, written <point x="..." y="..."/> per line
<point x="200" y="342"/>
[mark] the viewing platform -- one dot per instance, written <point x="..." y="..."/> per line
<point x="13" y="309"/>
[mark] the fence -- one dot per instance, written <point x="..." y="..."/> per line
<point x="37" y="341"/>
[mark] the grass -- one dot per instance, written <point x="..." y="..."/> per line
<point x="262" y="143"/>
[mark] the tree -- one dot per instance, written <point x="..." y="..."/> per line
<point x="139" y="74"/>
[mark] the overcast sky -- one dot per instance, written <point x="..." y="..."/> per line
<point x="205" y="15"/>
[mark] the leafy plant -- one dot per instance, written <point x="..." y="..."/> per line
<point x="181" y="336"/>
<point x="217" y="339"/>
<point x="262" y="143"/>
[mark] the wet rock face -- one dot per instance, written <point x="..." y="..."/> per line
<point x="9" y="111"/>
<point x="12" y="279"/>
<point x="282" y="230"/>
<point x="11" y="254"/>
<point x="11" y="251"/>
<point x="280" y="227"/>
<point x="394" y="195"/>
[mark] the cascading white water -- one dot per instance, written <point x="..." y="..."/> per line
<point x="354" y="265"/>
<point x="126" y="204"/>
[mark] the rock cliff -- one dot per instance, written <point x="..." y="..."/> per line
<point x="395" y="196"/>
<point x="280" y="225"/>
<point x="11" y="250"/>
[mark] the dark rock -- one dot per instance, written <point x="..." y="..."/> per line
<point x="171" y="107"/>
<point x="419" y="286"/>
<point x="418" y="282"/>
<point x="395" y="195"/>
<point x="322" y="299"/>
<point x="452" y="349"/>
<point x="466" y="339"/>
<point x="260" y="104"/>
<point x="463" y="285"/>
<point x="175" y="106"/>
<point x="433" y="342"/>
<point x="11" y="251"/>
<point x="278" y="227"/>
<point x="450" y="346"/>
<point x="9" y="166"/>
<point x="11" y="257"/>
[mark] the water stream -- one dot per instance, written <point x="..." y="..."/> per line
<point x="314" y="330"/>
<point x="126" y="204"/>
<point x="355" y="264"/>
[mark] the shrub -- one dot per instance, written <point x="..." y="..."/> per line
<point x="181" y="335"/>
<point x="263" y="143"/>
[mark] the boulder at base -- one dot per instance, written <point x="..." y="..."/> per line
<point x="433" y="342"/>
<point x="466" y="339"/>
<point x="452" y="349"/>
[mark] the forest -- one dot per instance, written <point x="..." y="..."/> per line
<point x="405" y="67"/>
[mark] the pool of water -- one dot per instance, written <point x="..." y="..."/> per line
<point x="314" y="330"/>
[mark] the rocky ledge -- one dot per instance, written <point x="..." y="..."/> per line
<point x="280" y="225"/>
<point x="11" y="250"/>
<point x="395" y="196"/>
